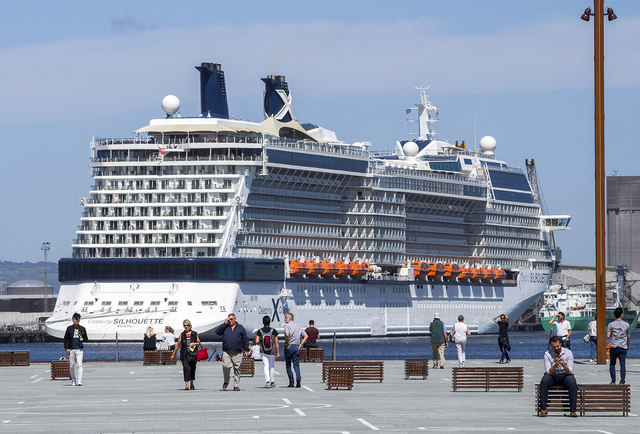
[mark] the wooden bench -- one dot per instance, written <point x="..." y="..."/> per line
<point x="363" y="370"/>
<point x="592" y="398"/>
<point x="6" y="358"/>
<point x="15" y="358"/>
<point x="416" y="368"/>
<point x="60" y="369"/>
<point x="487" y="378"/>
<point x="151" y="357"/>
<point x="21" y="358"/>
<point x="312" y="354"/>
<point x="247" y="367"/>
<point x="165" y="357"/>
<point x="340" y="377"/>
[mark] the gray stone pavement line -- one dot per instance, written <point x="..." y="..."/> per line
<point x="367" y="424"/>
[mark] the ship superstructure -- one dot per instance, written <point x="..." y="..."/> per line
<point x="199" y="217"/>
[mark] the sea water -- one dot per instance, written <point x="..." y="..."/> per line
<point x="524" y="345"/>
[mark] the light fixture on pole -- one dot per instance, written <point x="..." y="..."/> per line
<point x="601" y="289"/>
<point x="45" y="247"/>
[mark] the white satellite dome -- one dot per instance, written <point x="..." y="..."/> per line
<point x="170" y="104"/>
<point x="410" y="149"/>
<point x="487" y="145"/>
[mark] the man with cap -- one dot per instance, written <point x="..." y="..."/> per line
<point x="438" y="340"/>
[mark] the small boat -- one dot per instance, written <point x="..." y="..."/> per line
<point x="298" y="268"/>
<point x="420" y="269"/>
<point x="451" y="271"/>
<point x="329" y="268"/>
<point x="436" y="269"/>
<point x="475" y="274"/>
<point x="487" y="274"/>
<point x="465" y="274"/>
<point x="345" y="269"/>
<point x="315" y="268"/>
<point x="360" y="269"/>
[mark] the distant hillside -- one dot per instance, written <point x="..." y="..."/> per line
<point x="12" y="272"/>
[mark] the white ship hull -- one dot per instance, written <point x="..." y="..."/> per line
<point x="348" y="308"/>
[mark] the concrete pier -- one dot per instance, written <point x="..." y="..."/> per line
<point x="130" y="397"/>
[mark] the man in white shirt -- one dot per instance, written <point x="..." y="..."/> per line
<point x="563" y="329"/>
<point x="558" y="370"/>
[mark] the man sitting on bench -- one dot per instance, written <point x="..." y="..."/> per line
<point x="558" y="370"/>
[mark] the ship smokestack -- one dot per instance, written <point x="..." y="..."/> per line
<point x="213" y="91"/>
<point x="277" y="98"/>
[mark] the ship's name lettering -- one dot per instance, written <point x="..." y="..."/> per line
<point x="145" y="321"/>
<point x="535" y="277"/>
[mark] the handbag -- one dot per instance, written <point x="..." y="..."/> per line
<point x="191" y="355"/>
<point x="202" y="354"/>
<point x="586" y="338"/>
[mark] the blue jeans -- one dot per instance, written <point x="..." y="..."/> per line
<point x="593" y="353"/>
<point x="292" y="354"/>
<point x="617" y="353"/>
<point x="502" y="343"/>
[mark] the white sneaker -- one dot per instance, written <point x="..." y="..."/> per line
<point x="73" y="383"/>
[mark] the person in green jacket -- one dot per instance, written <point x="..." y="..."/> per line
<point x="438" y="340"/>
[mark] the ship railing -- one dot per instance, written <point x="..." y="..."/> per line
<point x="454" y="178"/>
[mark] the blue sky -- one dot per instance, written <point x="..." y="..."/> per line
<point x="519" y="71"/>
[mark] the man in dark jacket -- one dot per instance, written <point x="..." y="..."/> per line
<point x="234" y="345"/>
<point x="438" y="340"/>
<point x="74" y="337"/>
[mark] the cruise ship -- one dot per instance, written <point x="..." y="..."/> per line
<point x="198" y="217"/>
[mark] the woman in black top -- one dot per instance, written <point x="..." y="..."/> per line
<point x="503" y="337"/>
<point x="149" y="340"/>
<point x="188" y="342"/>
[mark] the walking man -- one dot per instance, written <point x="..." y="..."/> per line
<point x="312" y="335"/>
<point x="460" y="333"/>
<point x="563" y="329"/>
<point x="503" y="337"/>
<point x="293" y="342"/>
<point x="438" y="340"/>
<point x="234" y="345"/>
<point x="74" y="337"/>
<point x="619" y="333"/>
<point x="558" y="370"/>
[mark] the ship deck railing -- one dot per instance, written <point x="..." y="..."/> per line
<point x="334" y="148"/>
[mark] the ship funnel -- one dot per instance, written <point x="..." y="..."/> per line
<point x="213" y="92"/>
<point x="277" y="98"/>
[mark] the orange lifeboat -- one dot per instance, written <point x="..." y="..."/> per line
<point x="465" y="273"/>
<point x="344" y="269"/>
<point x="500" y="275"/>
<point x="476" y="274"/>
<point x="451" y="271"/>
<point x="329" y="268"/>
<point x="298" y="268"/>
<point x="438" y="270"/>
<point x="315" y="268"/>
<point x="359" y="270"/>
<point x="420" y="269"/>
<point x="487" y="274"/>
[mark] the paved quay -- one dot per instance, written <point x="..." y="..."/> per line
<point x="130" y="397"/>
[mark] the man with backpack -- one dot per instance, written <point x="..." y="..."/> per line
<point x="267" y="338"/>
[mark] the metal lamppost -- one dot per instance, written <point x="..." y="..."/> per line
<point x="601" y="289"/>
<point x="45" y="247"/>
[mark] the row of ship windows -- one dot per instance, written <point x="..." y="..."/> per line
<point x="514" y="210"/>
<point x="167" y="170"/>
<point x="144" y="252"/>
<point x="164" y="198"/>
<point x="148" y="239"/>
<point x="142" y="225"/>
<point x="165" y="184"/>
<point x="156" y="211"/>
<point x="140" y="303"/>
